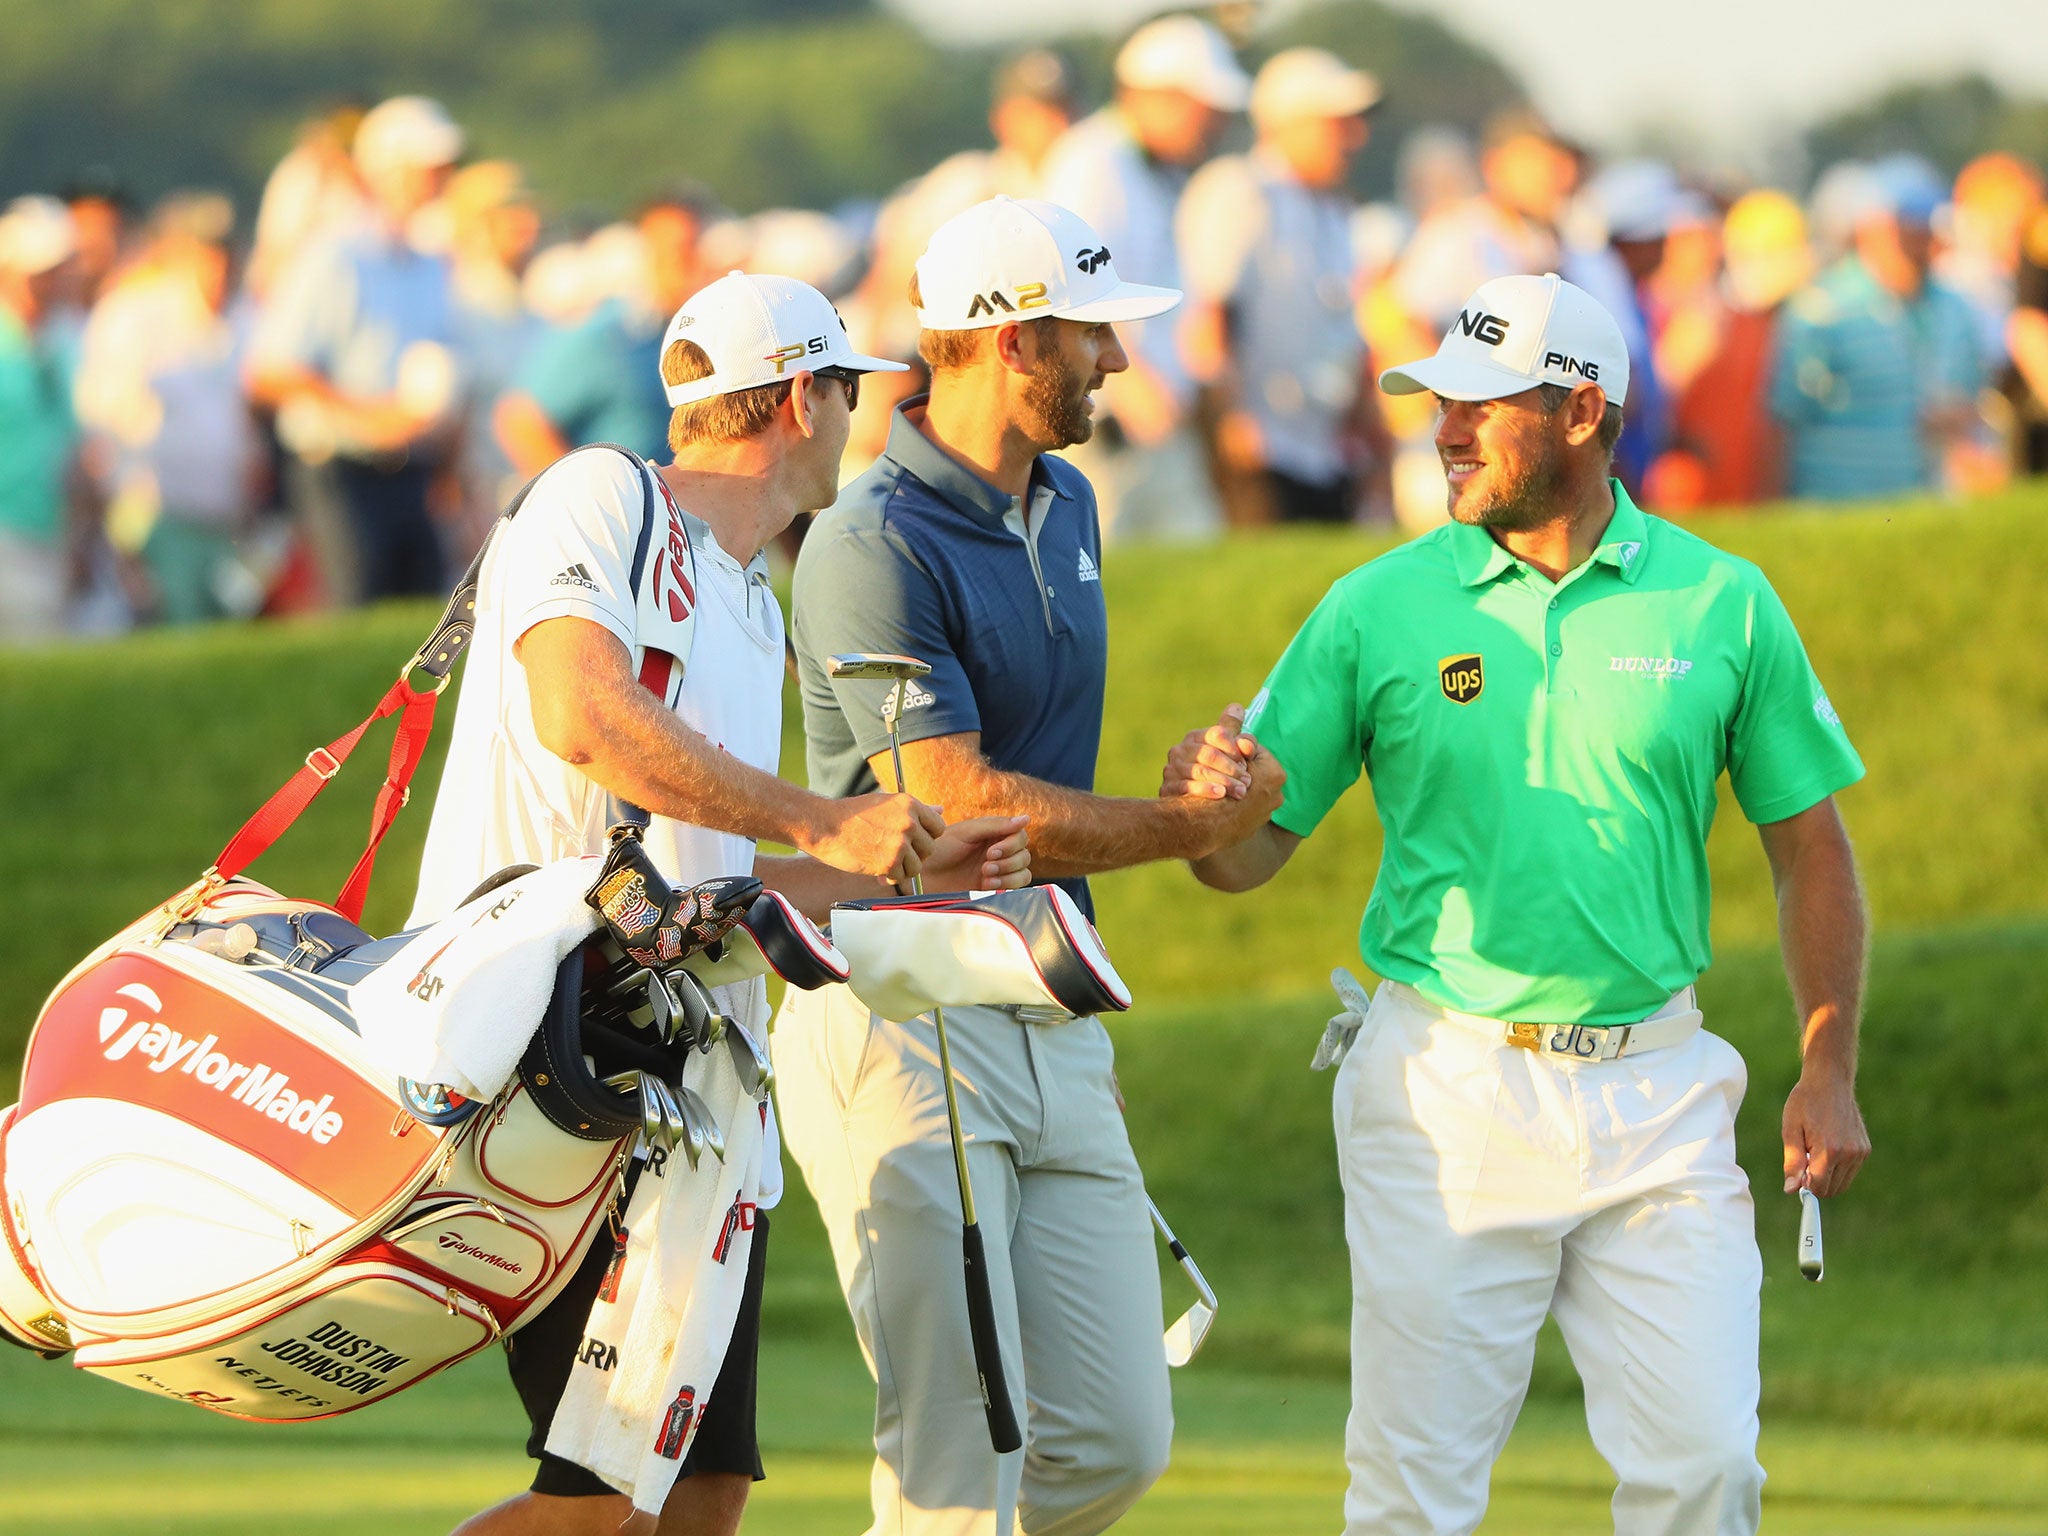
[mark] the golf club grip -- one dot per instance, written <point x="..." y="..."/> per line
<point x="988" y="1348"/>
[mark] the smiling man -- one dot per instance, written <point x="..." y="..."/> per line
<point x="1530" y="1118"/>
<point x="970" y="546"/>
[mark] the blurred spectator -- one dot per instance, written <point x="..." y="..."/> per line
<point x="1123" y="170"/>
<point x="493" y="227"/>
<point x="2025" y="383"/>
<point x="313" y="195"/>
<point x="159" y="389"/>
<point x="1635" y="203"/>
<point x="601" y="381"/>
<point x="1723" y="420"/>
<point x="1032" y="106"/>
<point x="1265" y="244"/>
<point x="101" y="211"/>
<point x="1996" y="197"/>
<point x="37" y="429"/>
<point x="355" y="353"/>
<point x="1877" y="373"/>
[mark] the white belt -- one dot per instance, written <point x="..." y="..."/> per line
<point x="1675" y="1022"/>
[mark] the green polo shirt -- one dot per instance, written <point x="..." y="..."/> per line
<point x="1543" y="756"/>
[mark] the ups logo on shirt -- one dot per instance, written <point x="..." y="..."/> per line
<point x="1463" y="678"/>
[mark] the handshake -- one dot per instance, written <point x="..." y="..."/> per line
<point x="1222" y="763"/>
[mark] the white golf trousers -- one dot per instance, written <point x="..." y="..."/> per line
<point x="1072" y="1267"/>
<point x="1486" y="1185"/>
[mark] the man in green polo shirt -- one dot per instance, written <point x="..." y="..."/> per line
<point x="1530" y="1118"/>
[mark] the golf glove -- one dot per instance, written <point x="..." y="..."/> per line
<point x="1341" y="1031"/>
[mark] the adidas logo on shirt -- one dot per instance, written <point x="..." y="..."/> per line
<point x="1088" y="570"/>
<point x="914" y="697"/>
<point x="575" y="576"/>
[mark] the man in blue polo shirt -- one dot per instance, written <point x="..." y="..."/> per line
<point x="967" y="546"/>
<point x="1530" y="1117"/>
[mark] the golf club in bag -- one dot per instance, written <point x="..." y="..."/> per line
<point x="1003" y="1432"/>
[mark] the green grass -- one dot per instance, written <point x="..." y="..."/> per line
<point x="1255" y="1453"/>
<point x="129" y="763"/>
<point x="1909" y="1393"/>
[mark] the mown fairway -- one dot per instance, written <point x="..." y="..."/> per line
<point x="1908" y="1393"/>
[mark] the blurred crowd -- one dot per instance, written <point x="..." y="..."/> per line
<point x="204" y="414"/>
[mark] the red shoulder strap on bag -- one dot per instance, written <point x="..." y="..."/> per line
<point x="322" y="763"/>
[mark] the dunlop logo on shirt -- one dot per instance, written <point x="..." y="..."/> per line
<point x="1463" y="678"/>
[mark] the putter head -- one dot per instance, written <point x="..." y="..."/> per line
<point x="880" y="668"/>
<point x="1187" y="1333"/>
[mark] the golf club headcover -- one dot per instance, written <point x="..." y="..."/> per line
<point x="772" y="936"/>
<point x="1030" y="948"/>
<point x="654" y="923"/>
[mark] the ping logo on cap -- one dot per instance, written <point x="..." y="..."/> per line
<point x="1093" y="261"/>
<point x="1490" y="329"/>
<point x="1570" y="365"/>
<point x="1463" y="677"/>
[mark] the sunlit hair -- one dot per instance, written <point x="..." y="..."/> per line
<point x="723" y="418"/>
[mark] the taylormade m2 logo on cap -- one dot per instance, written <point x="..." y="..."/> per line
<point x="1093" y="261"/>
<point x="1029" y="296"/>
<point x="1490" y="329"/>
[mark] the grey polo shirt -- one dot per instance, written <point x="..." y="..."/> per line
<point x="1002" y="595"/>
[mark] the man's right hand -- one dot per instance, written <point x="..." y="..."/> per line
<point x="874" y="834"/>
<point x="1211" y="764"/>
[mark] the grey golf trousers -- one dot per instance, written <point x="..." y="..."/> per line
<point x="1071" y="1260"/>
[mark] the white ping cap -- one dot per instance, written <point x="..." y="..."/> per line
<point x="1518" y="332"/>
<point x="36" y="234"/>
<point x="762" y="330"/>
<point x="1022" y="259"/>
<point x="1184" y="53"/>
<point x="407" y="131"/>
<point x="1310" y="82"/>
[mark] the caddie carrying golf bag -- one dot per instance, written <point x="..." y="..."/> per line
<point x="210" y="1190"/>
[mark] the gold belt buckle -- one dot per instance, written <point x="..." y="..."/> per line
<point x="1528" y="1037"/>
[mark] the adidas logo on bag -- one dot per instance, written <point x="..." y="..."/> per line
<point x="576" y="576"/>
<point x="1088" y="570"/>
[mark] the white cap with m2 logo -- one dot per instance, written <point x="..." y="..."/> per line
<point x="1516" y="333"/>
<point x="1019" y="259"/>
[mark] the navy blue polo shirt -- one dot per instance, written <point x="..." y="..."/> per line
<point x="917" y="558"/>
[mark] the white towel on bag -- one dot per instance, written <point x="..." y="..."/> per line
<point x="689" y="1234"/>
<point x="458" y="1004"/>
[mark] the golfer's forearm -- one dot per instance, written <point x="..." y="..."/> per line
<point x="632" y="747"/>
<point x="1075" y="833"/>
<point x="1823" y="932"/>
<point x="1244" y="865"/>
<point x="813" y="886"/>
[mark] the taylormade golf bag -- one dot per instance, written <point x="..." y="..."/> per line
<point x="209" y="1190"/>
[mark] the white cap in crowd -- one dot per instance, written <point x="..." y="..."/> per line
<point x="1516" y="333"/>
<point x="1023" y="259"/>
<point x="762" y="330"/>
<point x="1184" y="53"/>
<point x="407" y="131"/>
<point x="1310" y="82"/>
<point x="36" y="234"/>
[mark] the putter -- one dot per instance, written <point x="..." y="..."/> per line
<point x="1003" y="1432"/>
<point x="1809" y="1235"/>
<point x="1192" y="1326"/>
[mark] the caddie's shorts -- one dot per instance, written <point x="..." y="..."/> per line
<point x="542" y="1352"/>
